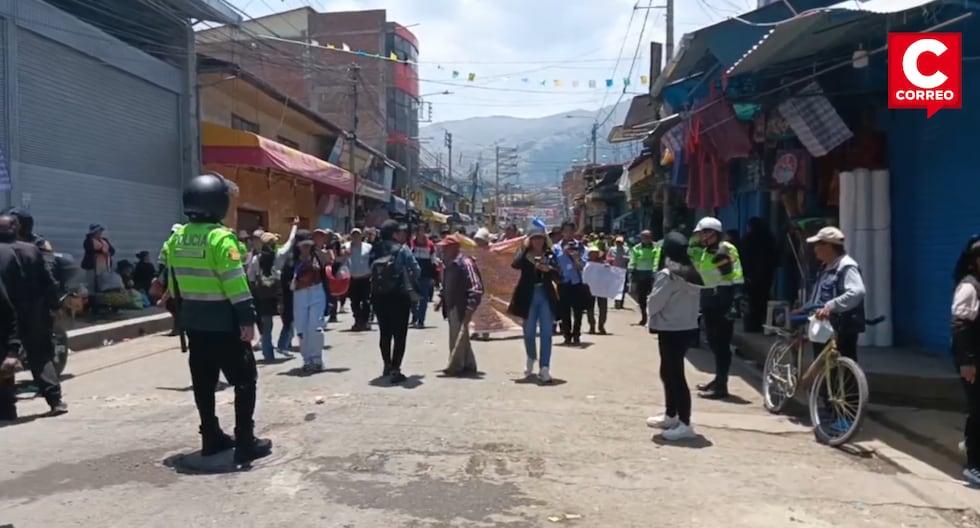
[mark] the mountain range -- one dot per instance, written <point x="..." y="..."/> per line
<point x="546" y="146"/>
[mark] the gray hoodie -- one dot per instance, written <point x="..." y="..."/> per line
<point x="673" y="304"/>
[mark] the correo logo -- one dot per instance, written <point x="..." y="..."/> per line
<point x="925" y="71"/>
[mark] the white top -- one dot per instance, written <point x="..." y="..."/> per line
<point x="966" y="305"/>
<point x="252" y="270"/>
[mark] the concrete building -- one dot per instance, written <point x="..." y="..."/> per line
<point x="98" y="115"/>
<point x="387" y="91"/>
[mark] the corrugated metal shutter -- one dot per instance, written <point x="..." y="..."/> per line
<point x="934" y="211"/>
<point x="3" y="92"/>
<point x="96" y="145"/>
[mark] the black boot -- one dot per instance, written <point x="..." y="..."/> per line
<point x="249" y="448"/>
<point x="214" y="440"/>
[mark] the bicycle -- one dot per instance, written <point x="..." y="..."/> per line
<point x="825" y="376"/>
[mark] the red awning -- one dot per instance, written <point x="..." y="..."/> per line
<point x="226" y="146"/>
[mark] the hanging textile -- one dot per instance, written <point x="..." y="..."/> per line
<point x="815" y="121"/>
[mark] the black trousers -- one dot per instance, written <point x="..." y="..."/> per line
<point x="677" y="395"/>
<point x="8" y="397"/>
<point x="393" y="312"/>
<point x="360" y="299"/>
<point x="720" y="329"/>
<point x="215" y="353"/>
<point x="602" y="304"/>
<point x="757" y="291"/>
<point x="642" y="286"/>
<point x="572" y="301"/>
<point x="39" y="348"/>
<point x="972" y="431"/>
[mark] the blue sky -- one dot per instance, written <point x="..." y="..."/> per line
<point x="504" y="42"/>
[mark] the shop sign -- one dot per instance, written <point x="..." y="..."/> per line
<point x="925" y="71"/>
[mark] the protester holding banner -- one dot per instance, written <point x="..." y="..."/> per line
<point x="535" y="299"/>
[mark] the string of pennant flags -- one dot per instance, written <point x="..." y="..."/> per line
<point x="472" y="77"/>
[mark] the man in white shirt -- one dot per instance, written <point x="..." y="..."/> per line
<point x="359" y="264"/>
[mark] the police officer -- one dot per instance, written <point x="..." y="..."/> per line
<point x="215" y="308"/>
<point x="34" y="295"/>
<point x="718" y="263"/>
<point x="644" y="262"/>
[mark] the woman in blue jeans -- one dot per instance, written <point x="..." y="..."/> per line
<point x="535" y="299"/>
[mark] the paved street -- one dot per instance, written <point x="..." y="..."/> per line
<point x="444" y="452"/>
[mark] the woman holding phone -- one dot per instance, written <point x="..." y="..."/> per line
<point x="535" y="299"/>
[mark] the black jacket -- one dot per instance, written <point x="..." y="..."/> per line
<point x="88" y="260"/>
<point x="9" y="337"/>
<point x="31" y="288"/>
<point x="520" y="302"/>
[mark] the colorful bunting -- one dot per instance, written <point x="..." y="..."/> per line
<point x="471" y="76"/>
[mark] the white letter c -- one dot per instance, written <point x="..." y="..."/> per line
<point x="910" y="64"/>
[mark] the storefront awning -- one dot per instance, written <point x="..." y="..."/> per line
<point x="369" y="189"/>
<point x="811" y="33"/>
<point x="226" y="146"/>
<point x="433" y="216"/>
<point x="725" y="43"/>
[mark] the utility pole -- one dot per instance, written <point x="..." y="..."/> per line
<point x="354" y="70"/>
<point x="496" y="187"/>
<point x="669" y="45"/>
<point x="449" y="145"/>
<point x="595" y="141"/>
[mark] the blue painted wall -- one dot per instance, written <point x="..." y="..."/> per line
<point x="935" y="166"/>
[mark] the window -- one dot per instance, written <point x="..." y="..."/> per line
<point x="288" y="142"/>
<point x="240" y="123"/>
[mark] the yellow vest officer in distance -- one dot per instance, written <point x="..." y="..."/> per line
<point x="214" y="308"/>
<point x="721" y="269"/>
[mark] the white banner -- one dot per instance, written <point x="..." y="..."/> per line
<point x="604" y="280"/>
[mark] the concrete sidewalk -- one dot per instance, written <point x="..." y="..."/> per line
<point x="133" y="324"/>
<point x="917" y="406"/>
<point x="897" y="376"/>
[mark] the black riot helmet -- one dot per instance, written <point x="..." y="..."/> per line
<point x="207" y="197"/>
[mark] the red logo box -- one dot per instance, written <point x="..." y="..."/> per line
<point x="925" y="71"/>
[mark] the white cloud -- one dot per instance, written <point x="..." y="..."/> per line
<point x="504" y="41"/>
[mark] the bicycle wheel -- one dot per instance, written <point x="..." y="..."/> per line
<point x="779" y="376"/>
<point x="837" y="408"/>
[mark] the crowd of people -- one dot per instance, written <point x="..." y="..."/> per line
<point x="222" y="286"/>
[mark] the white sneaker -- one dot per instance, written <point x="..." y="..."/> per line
<point x="679" y="433"/>
<point x="663" y="422"/>
<point x="963" y="446"/>
<point x="545" y="375"/>
<point x="972" y="476"/>
<point x="529" y="369"/>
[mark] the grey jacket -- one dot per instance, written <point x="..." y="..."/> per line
<point x="673" y="304"/>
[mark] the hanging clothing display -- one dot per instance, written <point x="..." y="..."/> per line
<point x="815" y="121"/>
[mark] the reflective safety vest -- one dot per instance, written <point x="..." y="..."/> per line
<point x="206" y="260"/>
<point x="644" y="258"/>
<point x="711" y="274"/>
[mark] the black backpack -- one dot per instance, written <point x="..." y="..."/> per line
<point x="386" y="277"/>
<point x="268" y="287"/>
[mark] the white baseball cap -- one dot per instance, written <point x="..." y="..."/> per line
<point x="829" y="235"/>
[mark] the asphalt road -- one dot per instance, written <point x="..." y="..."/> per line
<point x="495" y="451"/>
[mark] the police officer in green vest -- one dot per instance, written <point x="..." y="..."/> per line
<point x="721" y="269"/>
<point x="644" y="262"/>
<point x="214" y="307"/>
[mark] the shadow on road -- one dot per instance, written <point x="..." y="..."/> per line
<point x="533" y="380"/>
<point x="699" y="442"/>
<point x="411" y="382"/>
<point x="298" y="372"/>
<point x="220" y="387"/>
<point x="478" y="375"/>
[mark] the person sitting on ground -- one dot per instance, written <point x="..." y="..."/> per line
<point x="144" y="273"/>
